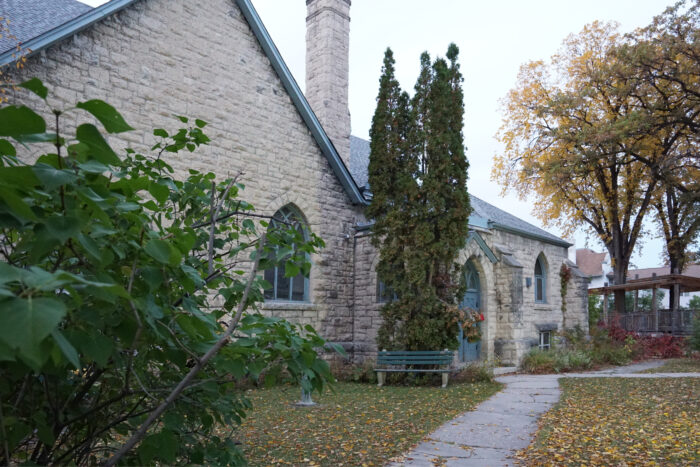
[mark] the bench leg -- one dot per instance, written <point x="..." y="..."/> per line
<point x="445" y="377"/>
<point x="380" y="378"/>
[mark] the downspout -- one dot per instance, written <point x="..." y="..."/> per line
<point x="354" y="280"/>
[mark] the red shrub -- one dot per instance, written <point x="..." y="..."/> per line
<point x="663" y="346"/>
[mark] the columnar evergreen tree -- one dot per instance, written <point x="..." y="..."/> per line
<point x="420" y="205"/>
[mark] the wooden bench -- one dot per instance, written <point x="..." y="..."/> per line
<point x="413" y="361"/>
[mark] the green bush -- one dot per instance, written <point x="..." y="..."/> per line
<point x="611" y="355"/>
<point x="575" y="360"/>
<point x="556" y="361"/>
<point x="694" y="339"/>
<point x="539" y="361"/>
<point x="356" y="373"/>
<point x="476" y="372"/>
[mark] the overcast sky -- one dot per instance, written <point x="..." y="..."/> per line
<point x="495" y="37"/>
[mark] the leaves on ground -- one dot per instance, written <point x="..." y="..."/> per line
<point x="620" y="421"/>
<point x="678" y="365"/>
<point x="356" y="424"/>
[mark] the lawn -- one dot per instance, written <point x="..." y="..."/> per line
<point x="620" y="421"/>
<point x="678" y="365"/>
<point x="358" y="424"/>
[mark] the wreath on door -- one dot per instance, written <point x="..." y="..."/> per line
<point x="470" y="324"/>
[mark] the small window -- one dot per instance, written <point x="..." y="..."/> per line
<point x="384" y="293"/>
<point x="545" y="340"/>
<point x="540" y="282"/>
<point x="292" y="289"/>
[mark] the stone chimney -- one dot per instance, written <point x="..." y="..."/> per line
<point x="327" y="67"/>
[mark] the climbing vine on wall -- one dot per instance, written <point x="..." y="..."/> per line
<point x="565" y="278"/>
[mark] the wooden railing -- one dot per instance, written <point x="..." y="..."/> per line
<point x="675" y="322"/>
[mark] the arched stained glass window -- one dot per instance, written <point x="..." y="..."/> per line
<point x="292" y="289"/>
<point x="540" y="281"/>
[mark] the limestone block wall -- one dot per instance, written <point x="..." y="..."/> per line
<point x="577" y="301"/>
<point x="366" y="319"/>
<point x="520" y="317"/>
<point x="161" y="58"/>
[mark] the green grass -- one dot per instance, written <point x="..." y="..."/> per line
<point x="358" y="424"/>
<point x="620" y="421"/>
<point x="678" y="365"/>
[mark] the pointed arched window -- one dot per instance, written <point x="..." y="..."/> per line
<point x="540" y="281"/>
<point x="291" y="289"/>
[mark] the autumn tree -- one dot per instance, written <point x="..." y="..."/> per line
<point x="660" y="67"/>
<point x="567" y="142"/>
<point x="420" y="205"/>
<point x="660" y="64"/>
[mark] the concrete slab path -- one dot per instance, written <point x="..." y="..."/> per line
<point x="492" y="433"/>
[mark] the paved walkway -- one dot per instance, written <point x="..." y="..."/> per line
<point x="505" y="423"/>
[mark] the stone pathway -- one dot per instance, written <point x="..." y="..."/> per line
<point x="506" y="423"/>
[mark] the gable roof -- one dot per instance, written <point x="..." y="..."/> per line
<point x="359" y="160"/>
<point x="484" y="214"/>
<point x="81" y="21"/>
<point x="501" y="220"/>
<point x="31" y="18"/>
<point x="590" y="262"/>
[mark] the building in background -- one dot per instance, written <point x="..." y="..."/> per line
<point x="214" y="60"/>
<point x="596" y="266"/>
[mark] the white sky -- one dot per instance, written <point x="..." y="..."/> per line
<point x="495" y="37"/>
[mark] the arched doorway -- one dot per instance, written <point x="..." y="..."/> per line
<point x="470" y="351"/>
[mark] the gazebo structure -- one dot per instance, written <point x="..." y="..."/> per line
<point x="675" y="320"/>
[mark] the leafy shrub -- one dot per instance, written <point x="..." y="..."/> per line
<point x="357" y="373"/>
<point x="109" y="269"/>
<point x="595" y="310"/>
<point x="556" y="361"/>
<point x="608" y="345"/>
<point x="579" y="360"/>
<point x="661" y="346"/>
<point x="574" y="338"/>
<point x="539" y="361"/>
<point x="694" y="340"/>
<point x="476" y="372"/>
<point x="611" y="355"/>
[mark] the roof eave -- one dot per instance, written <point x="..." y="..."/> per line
<point x="300" y="102"/>
<point x="66" y="30"/>
<point x="474" y="235"/>
<point x="523" y="233"/>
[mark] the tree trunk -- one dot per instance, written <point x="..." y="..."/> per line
<point x="620" y="277"/>
<point x="676" y="264"/>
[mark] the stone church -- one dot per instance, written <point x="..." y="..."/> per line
<point x="214" y="60"/>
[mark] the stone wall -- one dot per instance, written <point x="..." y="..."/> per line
<point x="366" y="320"/>
<point x="161" y="58"/>
<point x="520" y="317"/>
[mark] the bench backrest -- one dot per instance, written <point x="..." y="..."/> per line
<point x="415" y="357"/>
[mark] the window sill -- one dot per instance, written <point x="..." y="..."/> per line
<point x="287" y="305"/>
